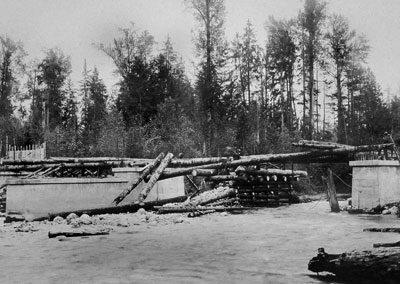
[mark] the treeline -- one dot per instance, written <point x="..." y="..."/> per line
<point x="309" y="80"/>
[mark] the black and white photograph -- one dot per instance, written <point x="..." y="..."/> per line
<point x="199" y="141"/>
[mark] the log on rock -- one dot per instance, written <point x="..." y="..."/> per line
<point x="78" y="233"/>
<point x="380" y="264"/>
<point x="383" y="230"/>
<point x="133" y="184"/>
<point x="154" y="178"/>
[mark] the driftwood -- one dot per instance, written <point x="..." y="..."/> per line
<point x="154" y="178"/>
<point x="78" y="233"/>
<point x="377" y="264"/>
<point x="133" y="185"/>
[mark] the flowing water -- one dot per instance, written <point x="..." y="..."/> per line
<point x="271" y="245"/>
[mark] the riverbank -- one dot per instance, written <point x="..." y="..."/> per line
<point x="269" y="245"/>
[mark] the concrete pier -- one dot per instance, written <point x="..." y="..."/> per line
<point x="35" y="198"/>
<point x="375" y="182"/>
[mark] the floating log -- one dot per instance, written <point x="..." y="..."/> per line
<point x="378" y="264"/>
<point x="383" y="230"/>
<point x="133" y="184"/>
<point x="387" y="245"/>
<point x="78" y="233"/>
<point x="154" y="178"/>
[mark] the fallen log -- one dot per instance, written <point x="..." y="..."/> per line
<point x="383" y="230"/>
<point x="377" y="264"/>
<point x="133" y="184"/>
<point x="130" y="208"/>
<point x="154" y="178"/>
<point x="78" y="233"/>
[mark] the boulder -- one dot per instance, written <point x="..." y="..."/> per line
<point x="85" y="219"/>
<point x="59" y="220"/>
<point x="71" y="217"/>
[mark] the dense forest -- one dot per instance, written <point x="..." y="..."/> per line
<point x="309" y="80"/>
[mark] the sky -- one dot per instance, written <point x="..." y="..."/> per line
<point x="75" y="26"/>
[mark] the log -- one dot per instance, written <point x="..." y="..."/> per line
<point x="222" y="178"/>
<point x="266" y="172"/>
<point x="204" y="172"/>
<point x="168" y="210"/>
<point x="378" y="264"/>
<point x="133" y="184"/>
<point x="181" y="163"/>
<point x="130" y="208"/>
<point x="387" y="245"/>
<point x="383" y="230"/>
<point x="211" y="196"/>
<point x="301" y="157"/>
<point x="56" y="160"/>
<point x="78" y="233"/>
<point x="318" y="144"/>
<point x="154" y="178"/>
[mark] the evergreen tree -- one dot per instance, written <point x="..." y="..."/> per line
<point x="11" y="56"/>
<point x="53" y="72"/>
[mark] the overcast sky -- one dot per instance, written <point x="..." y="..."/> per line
<point x="74" y="25"/>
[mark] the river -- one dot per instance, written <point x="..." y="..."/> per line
<point x="270" y="245"/>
